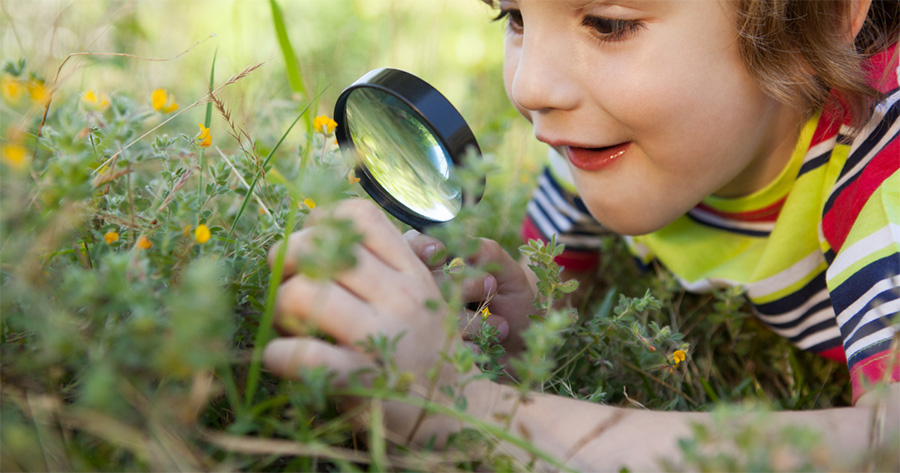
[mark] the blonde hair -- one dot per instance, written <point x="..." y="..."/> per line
<point x="798" y="52"/>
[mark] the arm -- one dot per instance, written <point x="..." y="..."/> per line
<point x="390" y="292"/>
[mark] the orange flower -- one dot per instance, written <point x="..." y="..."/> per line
<point x="160" y="101"/>
<point x="144" y="243"/>
<point x="95" y="101"/>
<point x="202" y="234"/>
<point x="324" y="125"/>
<point x="204" y="138"/>
<point x="111" y="237"/>
<point x="16" y="156"/>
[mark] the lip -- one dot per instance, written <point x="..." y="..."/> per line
<point x="593" y="159"/>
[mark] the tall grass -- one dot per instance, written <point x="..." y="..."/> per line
<point x="131" y="341"/>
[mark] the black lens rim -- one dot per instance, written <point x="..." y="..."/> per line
<point x="434" y="110"/>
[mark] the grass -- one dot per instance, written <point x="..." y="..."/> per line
<point x="140" y="351"/>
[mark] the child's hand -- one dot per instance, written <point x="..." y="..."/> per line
<point x="508" y="289"/>
<point x="389" y="291"/>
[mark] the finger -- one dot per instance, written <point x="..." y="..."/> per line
<point x="286" y="357"/>
<point x="430" y="250"/>
<point x="379" y="234"/>
<point x="478" y="289"/>
<point x="470" y="324"/>
<point x="325" y="305"/>
<point x="392" y="291"/>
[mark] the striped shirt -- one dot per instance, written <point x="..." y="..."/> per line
<point x="817" y="250"/>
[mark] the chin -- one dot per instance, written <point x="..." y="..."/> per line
<point x="638" y="222"/>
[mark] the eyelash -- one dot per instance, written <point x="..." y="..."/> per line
<point x="605" y="29"/>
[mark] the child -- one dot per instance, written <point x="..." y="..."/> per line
<point x="740" y="142"/>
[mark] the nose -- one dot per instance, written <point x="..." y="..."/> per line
<point x="542" y="78"/>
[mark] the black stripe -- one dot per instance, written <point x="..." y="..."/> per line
<point x="866" y="330"/>
<point x="741" y="231"/>
<point x="857" y="156"/>
<point x="818" y="307"/>
<point x="874" y="349"/>
<point x="812" y="330"/>
<point x="795" y="299"/>
<point x="863" y="280"/>
<point x="885" y="296"/>
<point x="815" y="163"/>
<point x="826" y="345"/>
<point x="830" y="255"/>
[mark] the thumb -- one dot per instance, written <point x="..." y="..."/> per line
<point x="286" y="356"/>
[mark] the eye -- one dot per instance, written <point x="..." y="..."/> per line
<point x="609" y="29"/>
<point x="513" y="18"/>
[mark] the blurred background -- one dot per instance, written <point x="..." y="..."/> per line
<point x="450" y="43"/>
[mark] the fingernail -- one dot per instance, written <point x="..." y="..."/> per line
<point x="503" y="328"/>
<point x="429" y="252"/>
<point x="490" y="285"/>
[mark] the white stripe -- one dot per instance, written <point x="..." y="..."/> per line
<point x="820" y="149"/>
<point x="558" y="201"/>
<point x="707" y="284"/>
<point x="580" y="241"/>
<point x="813" y="319"/>
<point x="878" y="240"/>
<point x="542" y="223"/>
<point x="879" y="313"/>
<point x="793" y="274"/>
<point x="559" y="220"/>
<point x="865" y="342"/>
<point x="714" y="219"/>
<point x="877" y="119"/>
<point x="874" y="291"/>
<point x="830" y="333"/>
<point x="796" y="313"/>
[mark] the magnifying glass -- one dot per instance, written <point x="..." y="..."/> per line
<point x="407" y="142"/>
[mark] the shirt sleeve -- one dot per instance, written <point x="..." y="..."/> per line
<point x="556" y="209"/>
<point x="861" y="230"/>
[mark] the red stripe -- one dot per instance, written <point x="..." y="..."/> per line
<point x="766" y="214"/>
<point x="836" y="224"/>
<point x="884" y="366"/>
<point x="835" y="354"/>
<point x="827" y="128"/>
<point x="881" y="69"/>
<point x="570" y="259"/>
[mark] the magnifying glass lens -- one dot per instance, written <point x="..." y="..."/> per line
<point x="402" y="154"/>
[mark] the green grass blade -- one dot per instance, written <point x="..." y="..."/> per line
<point x="290" y="60"/>
<point x="207" y="120"/>
<point x="259" y="171"/>
<point x="264" y="333"/>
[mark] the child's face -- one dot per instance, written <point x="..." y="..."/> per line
<point x="648" y="99"/>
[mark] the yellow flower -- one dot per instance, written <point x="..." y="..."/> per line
<point x="324" y="125"/>
<point x="11" y="88"/>
<point x="95" y="101"/>
<point x="204" y="138"/>
<point x="160" y="101"/>
<point x="678" y="356"/>
<point x="111" y="237"/>
<point x="309" y="203"/>
<point x="201" y="234"/>
<point x="15" y="155"/>
<point x="187" y="230"/>
<point x="144" y="243"/>
<point x="485" y="313"/>
<point x="351" y="178"/>
<point x="38" y="92"/>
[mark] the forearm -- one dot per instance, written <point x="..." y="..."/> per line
<point x="592" y="437"/>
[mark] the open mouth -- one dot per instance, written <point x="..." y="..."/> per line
<point x="593" y="159"/>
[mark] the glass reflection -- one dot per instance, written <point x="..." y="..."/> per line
<point x="402" y="154"/>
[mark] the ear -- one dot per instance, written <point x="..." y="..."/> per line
<point x="858" y="11"/>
